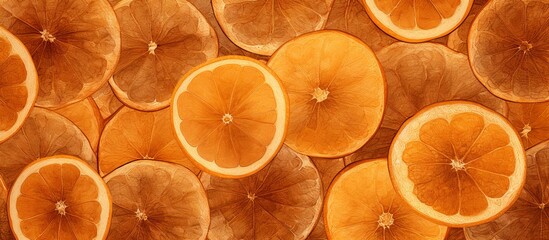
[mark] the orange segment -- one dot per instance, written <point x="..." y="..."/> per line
<point x="531" y="120"/>
<point x="85" y="114"/>
<point x="106" y="101"/>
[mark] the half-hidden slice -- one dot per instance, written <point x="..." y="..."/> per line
<point x="455" y="234"/>
<point x="106" y="101"/>
<point x="86" y="116"/>
<point x="531" y="120"/>
<point x="457" y="40"/>
<point x="5" y="230"/>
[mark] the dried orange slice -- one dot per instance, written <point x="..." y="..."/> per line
<point x="132" y="135"/>
<point x="417" y="20"/>
<point x="59" y="197"/>
<point x="75" y="45"/>
<point x="508" y="49"/>
<point x="458" y="163"/>
<point x="282" y="201"/>
<point x="158" y="48"/>
<point x="157" y="200"/>
<point x="106" y="101"/>
<point x="457" y="40"/>
<point x="18" y="84"/>
<point x="85" y="114"/>
<point x="263" y="26"/>
<point x="531" y="120"/>
<point x="528" y="218"/>
<point x="44" y="133"/>
<point x="337" y="92"/>
<point x="362" y="204"/>
<point x="455" y="234"/>
<point x="5" y="231"/>
<point x="230" y="115"/>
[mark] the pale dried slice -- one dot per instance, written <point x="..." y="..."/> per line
<point x="44" y="133"/>
<point x="161" y="41"/>
<point x="509" y="49"/>
<point x="362" y="204"/>
<point x="455" y="234"/>
<point x="106" y="101"/>
<point x="458" y="163"/>
<point x="282" y="201"/>
<point x="131" y="135"/>
<point x="531" y="120"/>
<point x="336" y="89"/>
<point x="75" y="45"/>
<point x="5" y="231"/>
<point x="419" y="75"/>
<point x="85" y="115"/>
<point x="59" y="197"/>
<point x="157" y="200"/>
<point x="528" y="218"/>
<point x="457" y="40"/>
<point x="263" y="26"/>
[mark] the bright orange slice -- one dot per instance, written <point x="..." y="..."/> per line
<point x="75" y="45"/>
<point x="458" y="163"/>
<point x="362" y="204"/>
<point x="531" y="120"/>
<point x="157" y="200"/>
<point x="85" y="114"/>
<point x="59" y="197"/>
<point x="106" y="101"/>
<point x="5" y="231"/>
<point x="337" y="92"/>
<point x="230" y="115"/>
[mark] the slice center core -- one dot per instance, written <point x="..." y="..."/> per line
<point x="141" y="216"/>
<point x="541" y="206"/>
<point x="458" y="164"/>
<point x="385" y="220"/>
<point x="227" y="118"/>
<point x="525" y="46"/>
<point x="525" y="130"/>
<point x="152" y="46"/>
<point x="251" y="196"/>
<point x="60" y="207"/>
<point x="320" y="94"/>
<point x="47" y="36"/>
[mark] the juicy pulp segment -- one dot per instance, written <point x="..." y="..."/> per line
<point x="424" y="14"/>
<point x="13" y="92"/>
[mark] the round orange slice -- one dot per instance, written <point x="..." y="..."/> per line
<point x="59" y="197"/>
<point x="158" y="48"/>
<point x="75" y="45"/>
<point x="230" y="115"/>
<point x="5" y="231"/>
<point x="157" y="200"/>
<point x="531" y="120"/>
<point x="282" y="201"/>
<point x="508" y="49"/>
<point x="362" y="204"/>
<point x="18" y="84"/>
<point x="458" y="163"/>
<point x="132" y="135"/>
<point x="106" y="101"/>
<point x="85" y="114"/>
<point x="417" y="20"/>
<point x="336" y="89"/>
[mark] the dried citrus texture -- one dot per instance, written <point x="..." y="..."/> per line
<point x="263" y="26"/>
<point x="106" y="101"/>
<point x="528" y="218"/>
<point x="5" y="231"/>
<point x="18" y="84"/>
<point x="157" y="200"/>
<point x="458" y="163"/>
<point x="230" y="115"/>
<point x="362" y="204"/>
<point x="336" y="90"/>
<point x="282" y="201"/>
<point x="417" y="20"/>
<point x="509" y="49"/>
<point x="59" y="197"/>
<point x="131" y="135"/>
<point x="419" y="75"/>
<point x="75" y="45"/>
<point x="531" y="120"/>
<point x="86" y="116"/>
<point x="457" y="40"/>
<point x="455" y="234"/>
<point x="161" y="41"/>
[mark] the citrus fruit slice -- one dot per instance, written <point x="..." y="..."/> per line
<point x="336" y="90"/>
<point x="158" y="48"/>
<point x="131" y="135"/>
<point x="457" y="40"/>
<point x="455" y="234"/>
<point x="59" y="197"/>
<point x="106" y="101"/>
<point x="528" y="218"/>
<point x="362" y="204"/>
<point x="5" y="231"/>
<point x="458" y="163"/>
<point x="75" y="45"/>
<point x="230" y="115"/>
<point x="417" y="20"/>
<point x="282" y="201"/>
<point x="508" y="49"/>
<point x="419" y="75"/>
<point x="531" y="120"/>
<point x="263" y="26"/>
<point x="18" y="84"/>
<point x="44" y="133"/>
<point x="157" y="200"/>
<point x="85" y="115"/>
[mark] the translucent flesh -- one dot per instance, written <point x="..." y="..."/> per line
<point x="86" y="116"/>
<point x="106" y="101"/>
<point x="13" y="92"/>
<point x="425" y="14"/>
<point x="531" y="120"/>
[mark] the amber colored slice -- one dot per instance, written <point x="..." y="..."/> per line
<point x="106" y="101"/>
<point x="86" y="116"/>
<point x="5" y="231"/>
<point x="75" y="45"/>
<point x="528" y="218"/>
<point x="282" y="201"/>
<point x="509" y="49"/>
<point x="531" y="120"/>
<point x="45" y="133"/>
<point x="157" y="200"/>
<point x="455" y="234"/>
<point x="457" y="40"/>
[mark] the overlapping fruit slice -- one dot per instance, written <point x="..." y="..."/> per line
<point x="161" y="41"/>
<point x="455" y="234"/>
<point x="282" y="201"/>
<point x="75" y="45"/>
<point x="106" y="101"/>
<point x="230" y="114"/>
<point x="531" y="120"/>
<point x="336" y="90"/>
<point x="458" y="163"/>
<point x="85" y="114"/>
<point x="131" y="135"/>
<point x="59" y="197"/>
<point x="509" y="49"/>
<point x="5" y="231"/>
<point x="457" y="40"/>
<point x="362" y="204"/>
<point x="157" y="200"/>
